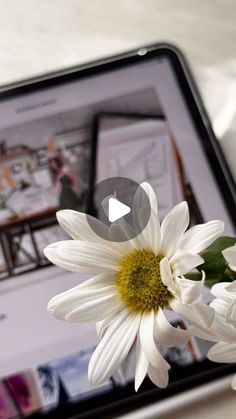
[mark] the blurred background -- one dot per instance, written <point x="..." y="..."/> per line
<point x="40" y="36"/>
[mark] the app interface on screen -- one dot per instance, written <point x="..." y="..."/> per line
<point x="46" y="143"/>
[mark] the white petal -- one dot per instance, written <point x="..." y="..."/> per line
<point x="123" y="230"/>
<point x="84" y="257"/>
<point x="73" y="249"/>
<point x="166" y="275"/>
<point x="95" y="283"/>
<point x="101" y="328"/>
<point x="219" y="330"/>
<point x="74" y="300"/>
<point x="190" y="290"/>
<point x="146" y="333"/>
<point x="196" y="314"/>
<point x="124" y="369"/>
<point x="234" y="383"/>
<point x="172" y="228"/>
<point x="151" y="195"/>
<point x="138" y="241"/>
<point x="94" y="310"/>
<point x="230" y="256"/>
<point x="199" y="237"/>
<point x="113" y="348"/>
<point x="141" y="365"/>
<point x="231" y="287"/>
<point x="159" y="376"/>
<point x="103" y="325"/>
<point x="182" y="262"/>
<point x="76" y="225"/>
<point x="221" y="290"/>
<point x="150" y="236"/>
<point x="223" y="352"/>
<point x="51" y="253"/>
<point x="220" y="306"/>
<point x="167" y="335"/>
<point x="231" y="313"/>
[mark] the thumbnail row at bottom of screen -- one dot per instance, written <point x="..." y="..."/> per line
<point x="66" y="379"/>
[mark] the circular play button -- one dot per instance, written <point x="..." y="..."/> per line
<point x="122" y="209"/>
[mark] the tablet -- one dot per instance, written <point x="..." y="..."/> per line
<point x="142" y="110"/>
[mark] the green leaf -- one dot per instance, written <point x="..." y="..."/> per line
<point x="214" y="263"/>
<point x="231" y="274"/>
<point x="194" y="276"/>
<point x="210" y="282"/>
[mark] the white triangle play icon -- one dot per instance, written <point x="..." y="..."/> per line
<point x="116" y="209"/>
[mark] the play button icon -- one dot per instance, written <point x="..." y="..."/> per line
<point x="116" y="209"/>
<point x="119" y="209"/>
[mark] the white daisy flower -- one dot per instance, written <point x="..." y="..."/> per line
<point x="134" y="283"/>
<point x="223" y="328"/>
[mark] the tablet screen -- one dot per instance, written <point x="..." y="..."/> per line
<point x="46" y="139"/>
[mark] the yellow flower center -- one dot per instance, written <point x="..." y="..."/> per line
<point x="139" y="282"/>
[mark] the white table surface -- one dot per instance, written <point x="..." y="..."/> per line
<point x="39" y="36"/>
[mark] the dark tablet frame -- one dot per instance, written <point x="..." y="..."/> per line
<point x="124" y="400"/>
<point x="204" y="371"/>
